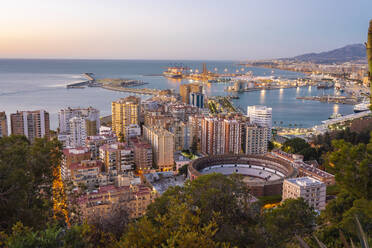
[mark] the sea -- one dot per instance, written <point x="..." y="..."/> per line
<point x="31" y="84"/>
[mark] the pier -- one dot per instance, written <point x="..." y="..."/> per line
<point x="329" y="98"/>
<point x="133" y="90"/>
<point x="91" y="82"/>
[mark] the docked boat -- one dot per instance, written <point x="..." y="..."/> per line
<point x="361" y="107"/>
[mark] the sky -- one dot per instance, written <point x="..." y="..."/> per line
<point x="179" y="29"/>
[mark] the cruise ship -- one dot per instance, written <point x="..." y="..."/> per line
<point x="364" y="106"/>
<point x="175" y="72"/>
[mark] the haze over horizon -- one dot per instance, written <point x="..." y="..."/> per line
<point x="165" y="29"/>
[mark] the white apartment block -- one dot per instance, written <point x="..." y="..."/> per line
<point x="260" y="115"/>
<point x="311" y="190"/>
<point x="78" y="132"/>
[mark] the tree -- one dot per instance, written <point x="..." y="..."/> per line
<point x="220" y="199"/>
<point x="300" y="146"/>
<point x="179" y="227"/>
<point x="281" y="224"/>
<point x="295" y="145"/>
<point x="352" y="167"/>
<point x="114" y="222"/>
<point x="26" y="177"/>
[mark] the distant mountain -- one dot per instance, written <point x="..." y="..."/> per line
<point x="340" y="55"/>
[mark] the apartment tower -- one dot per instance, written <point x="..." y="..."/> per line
<point x="162" y="143"/>
<point x="32" y="124"/>
<point x="125" y="112"/>
<point x="261" y="115"/>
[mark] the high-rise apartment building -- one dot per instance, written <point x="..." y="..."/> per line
<point x="181" y="133"/>
<point x="186" y="89"/>
<point x="162" y="143"/>
<point x="78" y="132"/>
<point x="3" y="125"/>
<point x="232" y="131"/>
<point x="232" y="135"/>
<point x="32" y="124"/>
<point x="90" y="116"/>
<point x="125" y="112"/>
<point x="194" y="123"/>
<point x="142" y="156"/>
<point x="212" y="138"/>
<point x="222" y="135"/>
<point x="311" y="190"/>
<point x="256" y="139"/>
<point x="261" y="115"/>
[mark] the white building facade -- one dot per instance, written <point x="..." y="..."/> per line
<point x="311" y="190"/>
<point x="261" y="115"/>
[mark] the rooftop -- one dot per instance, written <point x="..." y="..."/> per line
<point x="305" y="181"/>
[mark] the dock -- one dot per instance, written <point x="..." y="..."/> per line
<point x="330" y="98"/>
<point x="91" y="82"/>
<point x="133" y="90"/>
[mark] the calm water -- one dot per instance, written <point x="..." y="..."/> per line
<point x="36" y="84"/>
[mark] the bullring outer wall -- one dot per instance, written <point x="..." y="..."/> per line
<point x="265" y="188"/>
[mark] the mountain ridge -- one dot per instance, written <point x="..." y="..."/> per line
<point x="347" y="53"/>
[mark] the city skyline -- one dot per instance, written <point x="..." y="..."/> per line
<point x="209" y="30"/>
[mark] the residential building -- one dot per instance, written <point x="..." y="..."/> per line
<point x="311" y="190"/>
<point x="132" y="131"/>
<point x="162" y="143"/>
<point x="232" y="132"/>
<point x="73" y="156"/>
<point x="212" y="138"/>
<point x="321" y="175"/>
<point x="117" y="158"/>
<point x="95" y="142"/>
<point x="142" y="156"/>
<point x="134" y="198"/>
<point x="125" y="112"/>
<point x="87" y="172"/>
<point x="186" y="89"/>
<point x="261" y="115"/>
<point x="3" y="125"/>
<point x="32" y="124"/>
<point x="78" y="132"/>
<point x="181" y="133"/>
<point x="256" y="139"/>
<point x="194" y="123"/>
<point x="90" y="116"/>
